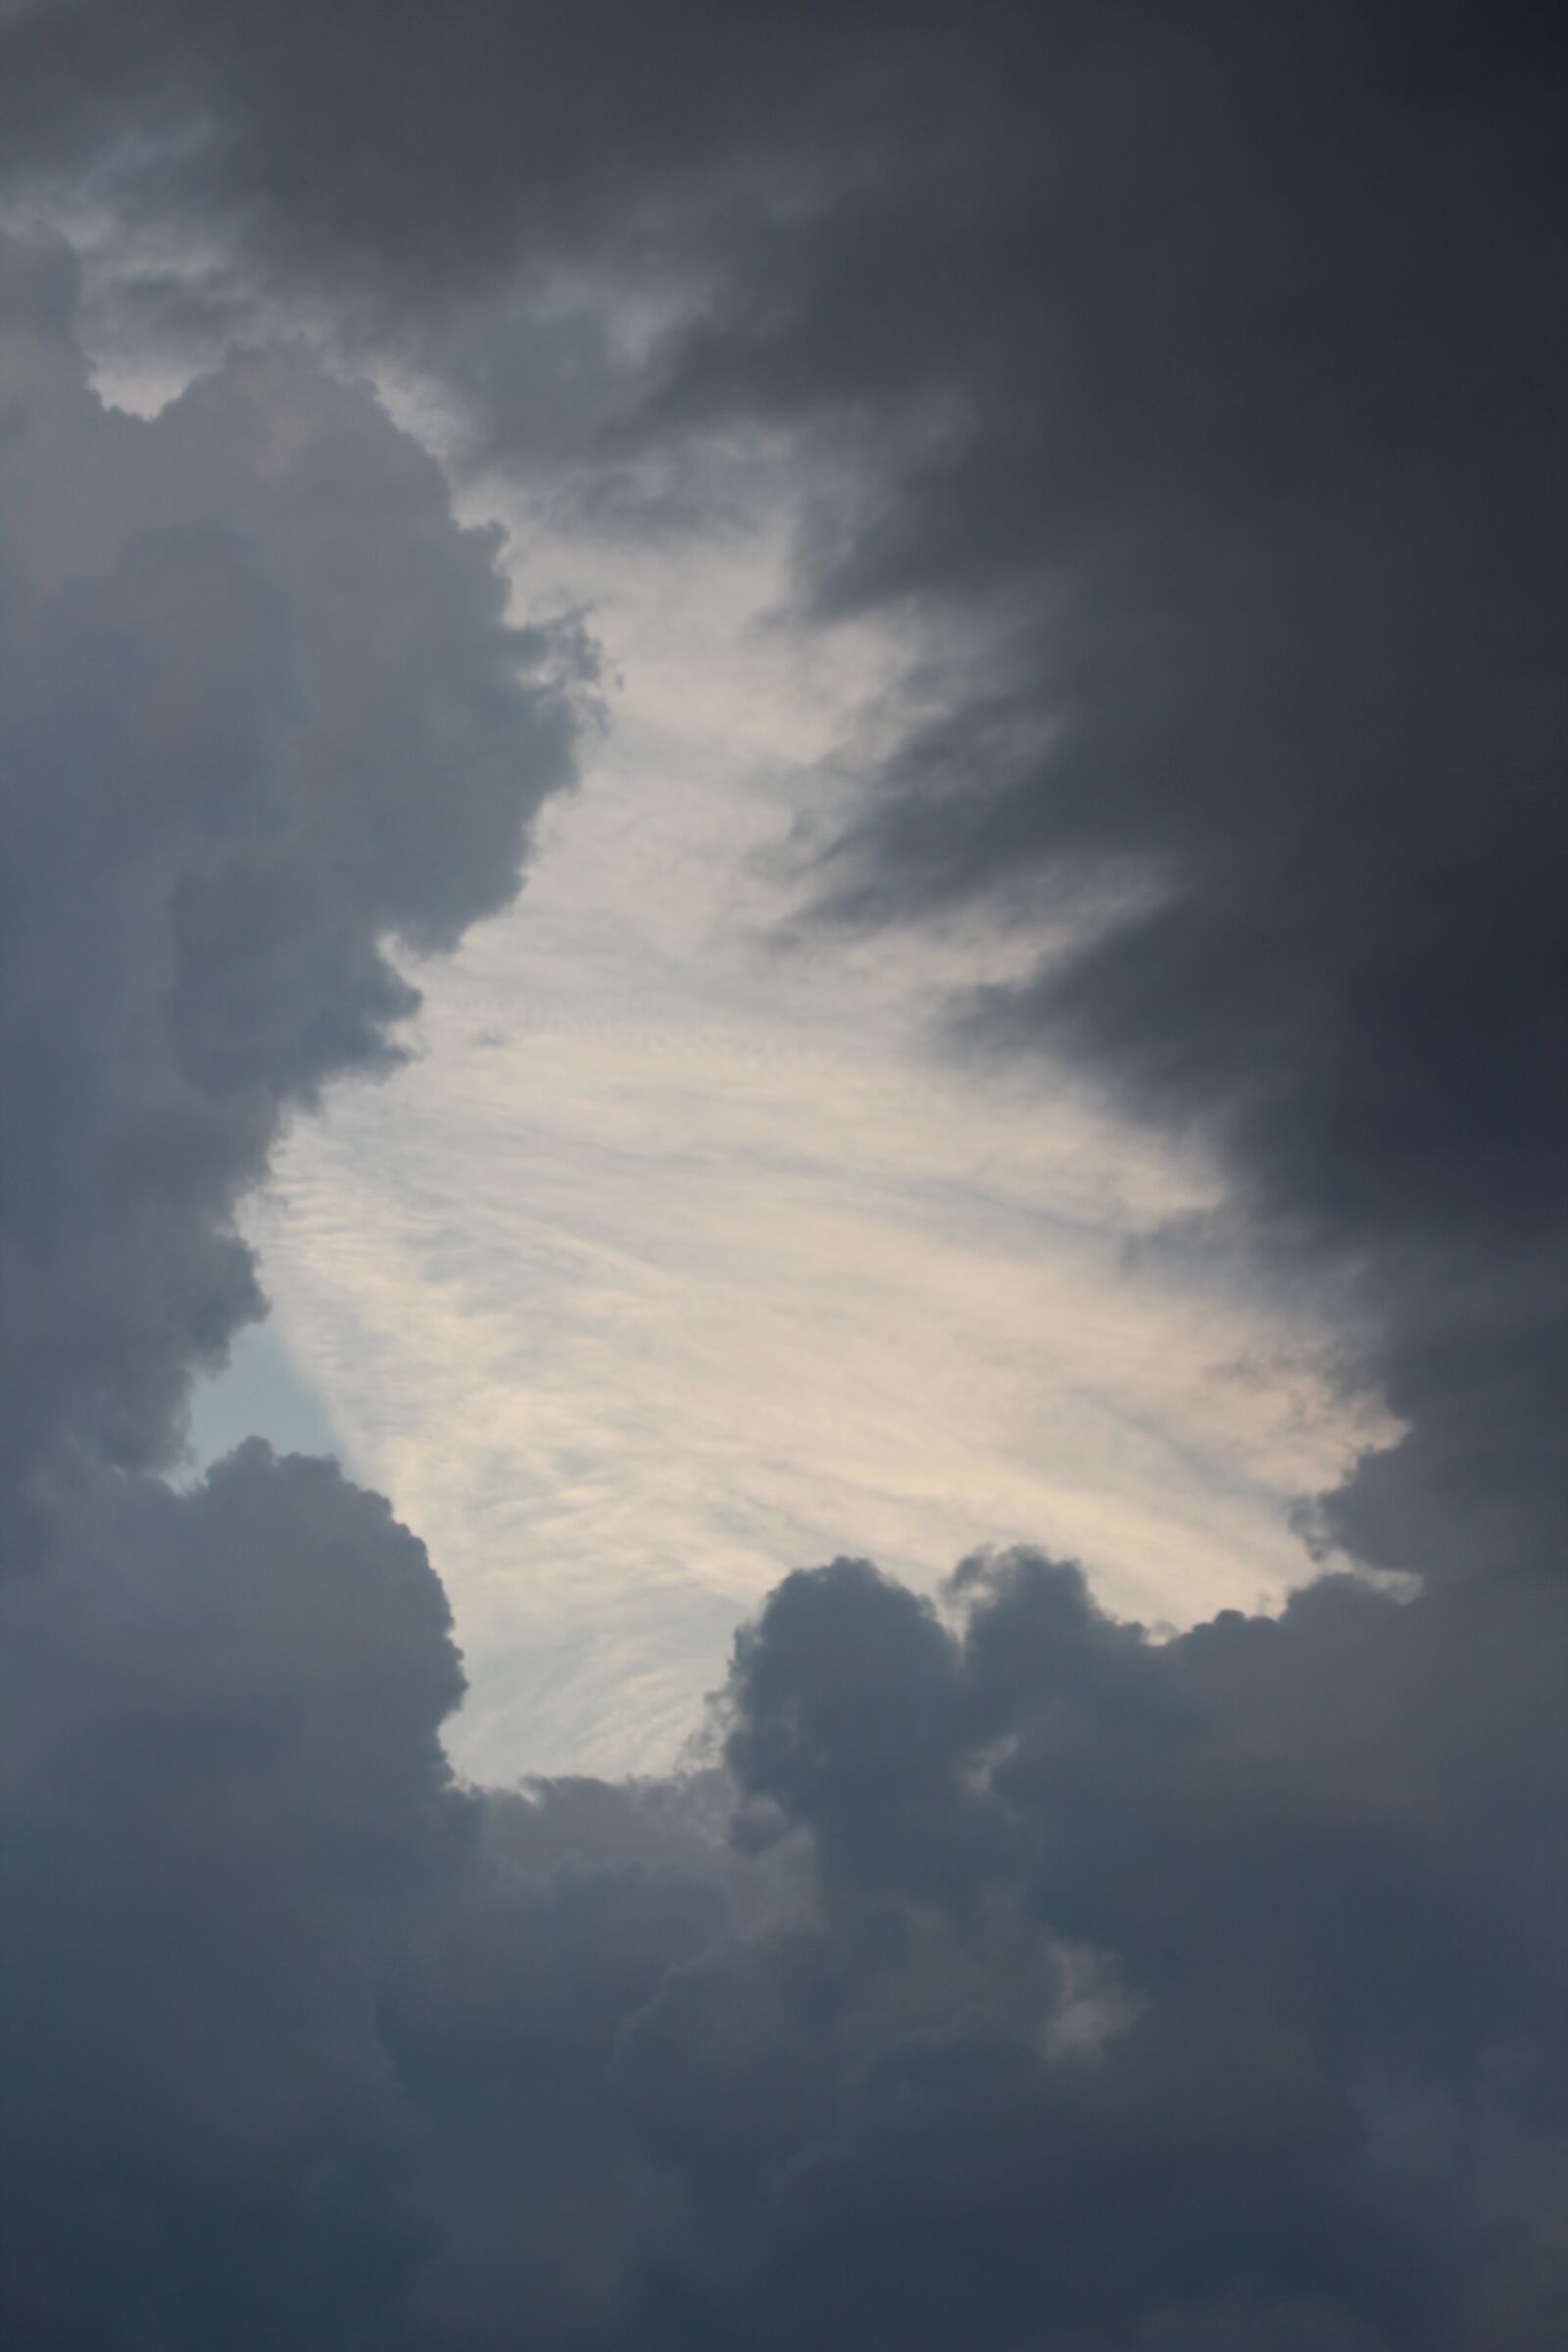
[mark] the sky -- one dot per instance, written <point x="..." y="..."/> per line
<point x="785" y="1285"/>
<point x="685" y="1254"/>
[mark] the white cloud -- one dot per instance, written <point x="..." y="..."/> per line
<point x="676" y="1260"/>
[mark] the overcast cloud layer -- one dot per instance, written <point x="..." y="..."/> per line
<point x="1185" y="385"/>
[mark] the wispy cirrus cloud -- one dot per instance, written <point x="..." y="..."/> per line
<point x="677" y="1260"/>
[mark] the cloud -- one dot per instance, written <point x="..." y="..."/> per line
<point x="241" y="639"/>
<point x="1010" y="1978"/>
<point x="1059" y="1983"/>
<point x="1190" y="386"/>
<point x="1229" y="549"/>
<point x="1267" y="1830"/>
<point x="673" y="1262"/>
<point x="224" y="1798"/>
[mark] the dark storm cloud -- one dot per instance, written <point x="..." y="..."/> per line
<point x="384" y="142"/>
<point x="412" y="169"/>
<point x="1017" y="1983"/>
<point x="1231" y="372"/>
<point x="1237" y="2021"/>
<point x="1289" y="1837"/>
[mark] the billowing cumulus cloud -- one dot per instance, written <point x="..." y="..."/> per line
<point x="261" y="711"/>
<point x="1009" y="1979"/>
<point x="1050" y="1984"/>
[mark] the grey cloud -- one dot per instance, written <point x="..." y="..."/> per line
<point x="261" y="711"/>
<point x="1241" y="339"/>
<point x="1316" y="1858"/>
<point x="1261" y="387"/>
<point x="469" y="132"/>
<point x="225" y="1804"/>
<point x="1245" y="2024"/>
<point x="1020" y="1983"/>
<point x="302" y="2042"/>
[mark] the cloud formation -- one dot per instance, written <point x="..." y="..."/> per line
<point x="1192" y="382"/>
<point x="261" y="711"/>
<point x="1011" y="1982"/>
<point x="1055" y="1987"/>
